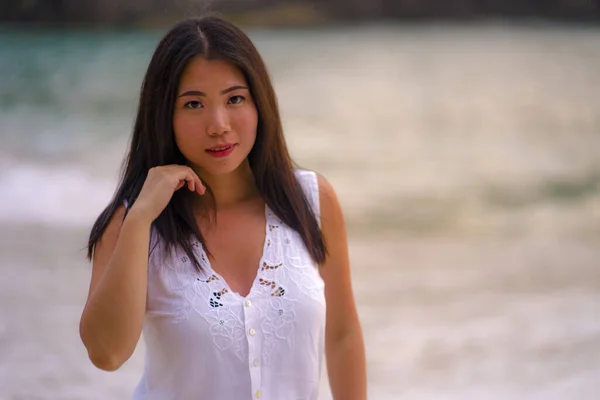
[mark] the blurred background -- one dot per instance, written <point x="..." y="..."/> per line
<point x="463" y="139"/>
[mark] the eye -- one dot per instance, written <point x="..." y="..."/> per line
<point x="193" y="105"/>
<point x="236" y="99"/>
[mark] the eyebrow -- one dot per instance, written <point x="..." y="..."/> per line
<point x="199" y="93"/>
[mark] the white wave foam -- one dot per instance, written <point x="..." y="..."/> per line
<point x="58" y="196"/>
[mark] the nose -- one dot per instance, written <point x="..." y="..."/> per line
<point x="219" y="122"/>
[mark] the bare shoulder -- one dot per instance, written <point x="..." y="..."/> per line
<point x="111" y="233"/>
<point x="324" y="186"/>
<point x="333" y="228"/>
<point x="331" y="210"/>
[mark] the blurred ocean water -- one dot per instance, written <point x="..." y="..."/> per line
<point x="467" y="159"/>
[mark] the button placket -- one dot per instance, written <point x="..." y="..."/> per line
<point x="254" y="338"/>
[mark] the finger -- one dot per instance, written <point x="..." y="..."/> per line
<point x="190" y="183"/>
<point x="183" y="180"/>
<point x="200" y="188"/>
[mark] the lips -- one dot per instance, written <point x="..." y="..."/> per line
<point x="221" y="150"/>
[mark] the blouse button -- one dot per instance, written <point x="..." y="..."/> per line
<point x="255" y="362"/>
<point x="251" y="331"/>
<point x="258" y="394"/>
<point x="248" y="303"/>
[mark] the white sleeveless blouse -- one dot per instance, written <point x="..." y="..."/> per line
<point x="205" y="342"/>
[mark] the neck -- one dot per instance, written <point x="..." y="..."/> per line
<point x="229" y="189"/>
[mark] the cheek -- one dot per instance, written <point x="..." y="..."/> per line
<point x="186" y="130"/>
<point x="246" y="124"/>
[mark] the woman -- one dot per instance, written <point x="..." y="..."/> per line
<point x="233" y="264"/>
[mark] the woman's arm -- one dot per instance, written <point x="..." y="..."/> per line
<point x="112" y="320"/>
<point x="113" y="317"/>
<point x="344" y="344"/>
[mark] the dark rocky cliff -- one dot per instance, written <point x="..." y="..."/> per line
<point x="283" y="12"/>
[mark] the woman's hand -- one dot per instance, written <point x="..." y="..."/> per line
<point x="159" y="186"/>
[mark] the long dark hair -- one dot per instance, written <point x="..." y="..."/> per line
<point x="153" y="142"/>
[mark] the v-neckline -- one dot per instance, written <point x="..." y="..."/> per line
<point x="266" y="244"/>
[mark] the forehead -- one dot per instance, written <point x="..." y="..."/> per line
<point x="210" y="73"/>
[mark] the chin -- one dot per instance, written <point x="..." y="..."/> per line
<point x="223" y="167"/>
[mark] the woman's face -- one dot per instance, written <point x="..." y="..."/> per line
<point x="215" y="118"/>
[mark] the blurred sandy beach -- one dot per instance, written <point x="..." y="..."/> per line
<point x="467" y="159"/>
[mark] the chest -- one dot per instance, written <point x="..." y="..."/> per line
<point x="235" y="245"/>
<point x="284" y="304"/>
